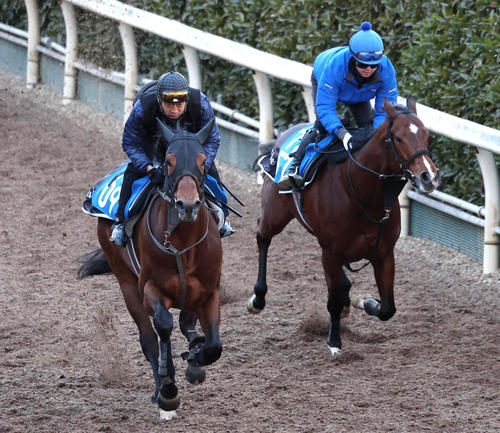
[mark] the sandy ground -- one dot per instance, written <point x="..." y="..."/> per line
<point x="70" y="357"/>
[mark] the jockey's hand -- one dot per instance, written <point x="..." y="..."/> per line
<point x="155" y="176"/>
<point x="345" y="138"/>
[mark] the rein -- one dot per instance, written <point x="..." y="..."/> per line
<point x="167" y="246"/>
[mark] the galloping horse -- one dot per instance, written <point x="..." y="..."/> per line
<point x="344" y="209"/>
<point x="173" y="260"/>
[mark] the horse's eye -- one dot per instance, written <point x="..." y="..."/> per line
<point x="399" y="140"/>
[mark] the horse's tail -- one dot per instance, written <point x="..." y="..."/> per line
<point x="93" y="263"/>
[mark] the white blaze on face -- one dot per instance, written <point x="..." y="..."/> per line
<point x="413" y="128"/>
<point x="428" y="167"/>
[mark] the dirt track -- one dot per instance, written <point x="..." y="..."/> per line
<point x="70" y="357"/>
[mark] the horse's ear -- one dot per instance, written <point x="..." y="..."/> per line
<point x="411" y="103"/>
<point x="165" y="130"/>
<point x="203" y="134"/>
<point x="389" y="109"/>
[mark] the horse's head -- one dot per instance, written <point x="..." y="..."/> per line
<point x="408" y="139"/>
<point x="185" y="170"/>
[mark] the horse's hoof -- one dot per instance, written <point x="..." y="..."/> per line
<point x="195" y="375"/>
<point x="334" y="351"/>
<point x="250" y="307"/>
<point x="168" y="404"/>
<point x="166" y="415"/>
<point x="168" y="398"/>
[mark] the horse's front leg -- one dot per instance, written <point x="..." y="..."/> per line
<point x="168" y="400"/>
<point x="384" y="268"/>
<point x="195" y="374"/>
<point x="209" y="316"/>
<point x="338" y="298"/>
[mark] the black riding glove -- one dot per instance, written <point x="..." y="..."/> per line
<point x="155" y="176"/>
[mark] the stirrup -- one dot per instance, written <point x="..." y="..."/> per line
<point x="118" y="235"/>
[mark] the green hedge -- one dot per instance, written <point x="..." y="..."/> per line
<point x="445" y="53"/>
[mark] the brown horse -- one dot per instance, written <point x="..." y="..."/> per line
<point x="173" y="260"/>
<point x="344" y="208"/>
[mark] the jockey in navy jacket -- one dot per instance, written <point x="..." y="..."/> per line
<point x="140" y="130"/>
<point x="178" y="106"/>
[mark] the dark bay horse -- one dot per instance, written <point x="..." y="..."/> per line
<point x="173" y="260"/>
<point x="344" y="209"/>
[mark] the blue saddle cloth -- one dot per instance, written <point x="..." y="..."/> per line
<point x="102" y="198"/>
<point x="313" y="151"/>
<point x="329" y="149"/>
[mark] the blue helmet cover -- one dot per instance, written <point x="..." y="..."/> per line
<point x="366" y="45"/>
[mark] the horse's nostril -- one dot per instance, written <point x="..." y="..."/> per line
<point x="425" y="177"/>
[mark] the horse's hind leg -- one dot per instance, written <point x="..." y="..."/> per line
<point x="168" y="400"/>
<point x="275" y="215"/>
<point x="258" y="301"/>
<point x="187" y="322"/>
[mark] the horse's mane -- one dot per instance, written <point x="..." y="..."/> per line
<point x="400" y="107"/>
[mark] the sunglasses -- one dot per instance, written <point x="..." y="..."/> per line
<point x="364" y="66"/>
<point x="367" y="56"/>
<point x="174" y="97"/>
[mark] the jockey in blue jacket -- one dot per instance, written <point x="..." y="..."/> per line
<point x="181" y="108"/>
<point x="352" y="75"/>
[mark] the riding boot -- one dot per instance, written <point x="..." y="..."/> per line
<point x="226" y="229"/>
<point x="292" y="176"/>
<point x="118" y="235"/>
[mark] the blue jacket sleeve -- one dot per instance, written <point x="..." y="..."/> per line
<point x="389" y="90"/>
<point x="134" y="135"/>
<point x="328" y="95"/>
<point x="211" y="146"/>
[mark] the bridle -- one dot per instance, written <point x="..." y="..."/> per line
<point x="167" y="193"/>
<point x="387" y="179"/>
<point x="392" y="184"/>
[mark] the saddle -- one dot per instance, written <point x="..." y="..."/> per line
<point x="102" y="199"/>
<point x="327" y="149"/>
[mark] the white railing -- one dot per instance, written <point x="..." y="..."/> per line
<point x="263" y="65"/>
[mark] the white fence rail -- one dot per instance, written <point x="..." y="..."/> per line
<point x="263" y="65"/>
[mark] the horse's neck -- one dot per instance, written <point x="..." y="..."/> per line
<point x="374" y="154"/>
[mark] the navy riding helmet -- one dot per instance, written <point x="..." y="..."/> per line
<point x="173" y="86"/>
<point x="366" y="45"/>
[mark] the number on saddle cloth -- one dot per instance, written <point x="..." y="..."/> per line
<point x="102" y="199"/>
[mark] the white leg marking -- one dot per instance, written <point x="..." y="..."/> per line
<point x="166" y="415"/>
<point x="335" y="351"/>
<point x="357" y="302"/>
